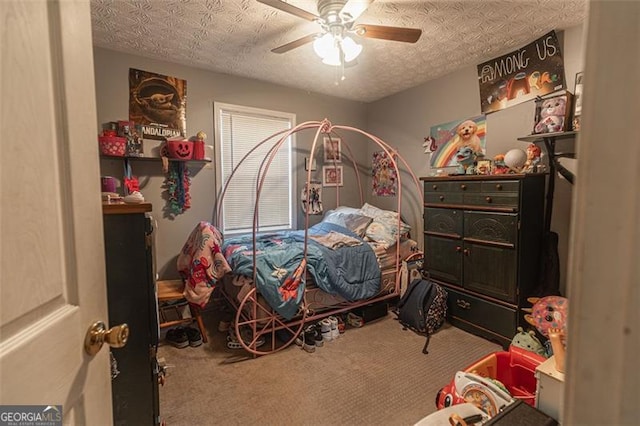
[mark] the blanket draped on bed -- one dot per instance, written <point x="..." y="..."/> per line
<point x="348" y="269"/>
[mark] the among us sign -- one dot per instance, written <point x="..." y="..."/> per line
<point x="534" y="70"/>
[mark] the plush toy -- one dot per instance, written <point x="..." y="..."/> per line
<point x="466" y="158"/>
<point x="534" y="154"/>
<point x="499" y="168"/>
<point x="552" y="114"/>
<point x="528" y="341"/>
<point x="549" y="316"/>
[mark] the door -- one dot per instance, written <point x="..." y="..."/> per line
<point x="52" y="279"/>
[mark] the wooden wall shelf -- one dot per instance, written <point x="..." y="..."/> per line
<point x="128" y="158"/>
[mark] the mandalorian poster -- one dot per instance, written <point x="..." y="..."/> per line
<point x="158" y="103"/>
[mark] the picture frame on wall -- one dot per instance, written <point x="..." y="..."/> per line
<point x="332" y="176"/>
<point x="577" y="102"/>
<point x="332" y="148"/>
<point x="314" y="164"/>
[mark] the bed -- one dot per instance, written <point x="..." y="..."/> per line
<point x="278" y="282"/>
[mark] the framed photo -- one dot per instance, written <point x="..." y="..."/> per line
<point x="484" y="167"/>
<point x="332" y="150"/>
<point x="314" y="164"/>
<point x="332" y="176"/>
<point x="577" y="102"/>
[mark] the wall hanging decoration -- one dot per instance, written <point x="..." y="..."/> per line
<point x="312" y="199"/>
<point x="158" y="103"/>
<point x="332" y="176"/>
<point x="177" y="185"/>
<point x="332" y="150"/>
<point x="535" y="70"/>
<point x="385" y="179"/>
<point x="577" y="102"/>
<point x="450" y="137"/>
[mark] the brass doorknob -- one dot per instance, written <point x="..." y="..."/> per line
<point x="97" y="335"/>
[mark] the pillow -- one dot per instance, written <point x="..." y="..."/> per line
<point x="371" y="211"/>
<point x="384" y="229"/>
<point x="354" y="222"/>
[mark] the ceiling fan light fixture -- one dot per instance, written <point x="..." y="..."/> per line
<point x="328" y="48"/>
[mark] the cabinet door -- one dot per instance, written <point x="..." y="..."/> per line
<point x="443" y="258"/>
<point x="490" y="253"/>
<point x="443" y="222"/>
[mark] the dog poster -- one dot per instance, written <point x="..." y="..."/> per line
<point x="450" y="137"/>
<point x="385" y="177"/>
<point x="158" y="103"/>
<point x="535" y="70"/>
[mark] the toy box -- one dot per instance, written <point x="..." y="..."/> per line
<point x="494" y="381"/>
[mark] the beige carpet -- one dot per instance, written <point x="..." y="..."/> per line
<point x="374" y="375"/>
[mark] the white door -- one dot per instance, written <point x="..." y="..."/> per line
<point x="52" y="277"/>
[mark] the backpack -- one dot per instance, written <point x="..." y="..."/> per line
<point x="423" y="308"/>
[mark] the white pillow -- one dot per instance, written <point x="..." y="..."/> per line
<point x="355" y="222"/>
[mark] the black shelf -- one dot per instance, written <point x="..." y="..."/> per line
<point x="129" y="158"/>
<point x="549" y="144"/>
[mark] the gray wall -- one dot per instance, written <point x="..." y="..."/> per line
<point x="203" y="88"/>
<point x="404" y="119"/>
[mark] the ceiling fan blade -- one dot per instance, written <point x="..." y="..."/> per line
<point x="296" y="43"/>
<point x="407" y="35"/>
<point x="355" y="8"/>
<point x="286" y="7"/>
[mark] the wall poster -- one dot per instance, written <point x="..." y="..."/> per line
<point x="158" y="103"/>
<point x="449" y="137"/>
<point x="534" y="70"/>
<point x="385" y="178"/>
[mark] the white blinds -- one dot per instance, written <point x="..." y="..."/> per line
<point x="240" y="131"/>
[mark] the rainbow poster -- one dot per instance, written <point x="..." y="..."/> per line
<point x="449" y="137"/>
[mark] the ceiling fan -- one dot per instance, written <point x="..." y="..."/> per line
<point x="337" y="21"/>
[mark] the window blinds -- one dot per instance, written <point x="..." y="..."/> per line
<point x="241" y="131"/>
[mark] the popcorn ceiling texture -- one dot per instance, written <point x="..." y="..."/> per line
<point x="236" y="36"/>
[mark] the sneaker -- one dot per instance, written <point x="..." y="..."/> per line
<point x="325" y="330"/>
<point x="233" y="343"/>
<point x="317" y="331"/>
<point x="341" y="326"/>
<point x="334" y="327"/>
<point x="354" y="320"/>
<point x="309" y="340"/>
<point x="194" y="336"/>
<point x="177" y="337"/>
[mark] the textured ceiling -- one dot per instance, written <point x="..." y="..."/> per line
<point x="236" y="36"/>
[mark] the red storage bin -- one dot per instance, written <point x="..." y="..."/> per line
<point x="112" y="145"/>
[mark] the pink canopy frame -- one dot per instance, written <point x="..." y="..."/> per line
<point x="270" y="322"/>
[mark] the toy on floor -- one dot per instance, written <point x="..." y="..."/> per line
<point x="549" y="316"/>
<point x="529" y="341"/>
<point x="494" y="381"/>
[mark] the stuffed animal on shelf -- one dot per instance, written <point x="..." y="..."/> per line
<point x="549" y="316"/>
<point x="552" y="115"/>
<point x="466" y="158"/>
<point x="529" y="341"/>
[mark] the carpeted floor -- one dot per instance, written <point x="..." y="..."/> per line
<point x="374" y="375"/>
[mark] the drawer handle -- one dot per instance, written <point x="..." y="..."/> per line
<point x="466" y="252"/>
<point x="488" y="199"/>
<point x="441" y="198"/>
<point x="435" y="187"/>
<point x="498" y="186"/>
<point x="458" y="249"/>
<point x="463" y="186"/>
<point x="463" y="304"/>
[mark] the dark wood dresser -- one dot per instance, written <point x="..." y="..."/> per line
<point x="482" y="240"/>
<point x="131" y="295"/>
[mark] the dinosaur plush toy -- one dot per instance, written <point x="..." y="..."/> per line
<point x="466" y="159"/>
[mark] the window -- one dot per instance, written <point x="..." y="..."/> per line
<point x="238" y="130"/>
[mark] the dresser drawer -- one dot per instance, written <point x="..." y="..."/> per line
<point x="482" y="313"/>
<point x="499" y="186"/>
<point x="443" y="198"/>
<point x="493" y="199"/>
<point x="492" y="227"/>
<point x="430" y="187"/>
<point x="443" y="222"/>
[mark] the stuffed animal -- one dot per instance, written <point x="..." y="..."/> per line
<point x="549" y="316"/>
<point x="466" y="158"/>
<point x="552" y="114"/>
<point x="528" y="341"/>
<point x="534" y="154"/>
<point x="499" y="168"/>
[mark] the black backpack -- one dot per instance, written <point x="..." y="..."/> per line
<point x="423" y="308"/>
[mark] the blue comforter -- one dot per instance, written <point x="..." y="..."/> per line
<point x="351" y="271"/>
